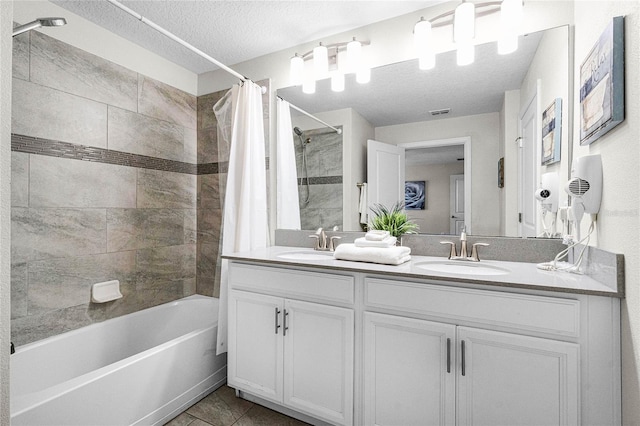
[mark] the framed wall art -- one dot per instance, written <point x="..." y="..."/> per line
<point x="414" y="195"/>
<point x="602" y="84"/>
<point x="551" y="133"/>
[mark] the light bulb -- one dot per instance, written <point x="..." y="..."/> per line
<point x="464" y="22"/>
<point x="427" y="60"/>
<point x="363" y="75"/>
<point x="511" y="14"/>
<point x="510" y="21"/>
<point x="507" y="44"/>
<point x="421" y="36"/>
<point x="337" y="81"/>
<point x="308" y="80"/>
<point x="465" y="54"/>
<point x="296" y="70"/>
<point x="320" y="62"/>
<point x="354" y="55"/>
<point x="309" y="85"/>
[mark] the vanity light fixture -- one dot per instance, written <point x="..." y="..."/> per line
<point x="332" y="60"/>
<point x="510" y="21"/>
<point x="463" y="20"/>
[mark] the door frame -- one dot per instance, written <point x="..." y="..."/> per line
<point x="466" y="142"/>
<point x="532" y="101"/>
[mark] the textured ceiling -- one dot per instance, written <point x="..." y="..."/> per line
<point x="401" y="93"/>
<point x="234" y="31"/>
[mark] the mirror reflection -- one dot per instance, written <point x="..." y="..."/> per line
<point x="491" y="103"/>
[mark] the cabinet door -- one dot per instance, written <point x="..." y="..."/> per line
<point x="255" y="344"/>
<point x="409" y="371"/>
<point x="318" y="361"/>
<point x="507" y="379"/>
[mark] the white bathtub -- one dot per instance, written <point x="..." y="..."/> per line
<point x="139" y="369"/>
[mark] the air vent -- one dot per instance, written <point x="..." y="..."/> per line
<point x="578" y="187"/>
<point x="440" y="111"/>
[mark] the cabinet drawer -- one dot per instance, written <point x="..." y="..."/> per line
<point x="520" y="311"/>
<point x="292" y="283"/>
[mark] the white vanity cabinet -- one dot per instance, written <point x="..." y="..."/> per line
<point x="295" y="353"/>
<point x="461" y="371"/>
<point x="420" y="372"/>
<point x="344" y="346"/>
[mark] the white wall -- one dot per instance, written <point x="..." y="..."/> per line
<point x="552" y="55"/>
<point x="434" y="219"/>
<point x="509" y="150"/>
<point x="618" y="228"/>
<point x="6" y="26"/>
<point x="485" y="148"/>
<point x="94" y="39"/>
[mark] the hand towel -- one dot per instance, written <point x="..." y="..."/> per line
<point x="386" y="255"/>
<point x="362" y="206"/>
<point x="377" y="235"/>
<point x="387" y="242"/>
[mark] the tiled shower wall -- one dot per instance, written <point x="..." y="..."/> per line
<point x="143" y="207"/>
<point x="325" y="171"/>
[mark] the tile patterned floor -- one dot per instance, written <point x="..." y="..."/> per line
<point x="222" y="408"/>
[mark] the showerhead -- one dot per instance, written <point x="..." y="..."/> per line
<point x="298" y="131"/>
<point x="40" y="22"/>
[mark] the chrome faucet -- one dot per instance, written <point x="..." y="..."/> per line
<point x="321" y="243"/>
<point x="453" y="255"/>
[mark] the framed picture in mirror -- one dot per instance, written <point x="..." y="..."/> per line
<point x="602" y="84"/>
<point x="414" y="195"/>
<point x="551" y="133"/>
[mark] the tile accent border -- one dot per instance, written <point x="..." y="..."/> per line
<point x="53" y="148"/>
<point x="320" y="180"/>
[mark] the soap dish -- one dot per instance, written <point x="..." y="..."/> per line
<point x="105" y="291"/>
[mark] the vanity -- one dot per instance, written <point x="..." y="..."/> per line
<point x="423" y="343"/>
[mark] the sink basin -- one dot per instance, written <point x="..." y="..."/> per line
<point x="462" y="267"/>
<point x="306" y="255"/>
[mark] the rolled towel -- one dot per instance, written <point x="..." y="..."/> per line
<point x="376" y="235"/>
<point x="387" y="242"/>
<point x="386" y="255"/>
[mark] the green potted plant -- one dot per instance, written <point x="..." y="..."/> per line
<point x="394" y="220"/>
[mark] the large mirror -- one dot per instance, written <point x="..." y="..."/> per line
<point x="493" y="105"/>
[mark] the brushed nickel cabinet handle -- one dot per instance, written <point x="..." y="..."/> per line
<point x="462" y="352"/>
<point x="448" y="355"/>
<point x="277" y="325"/>
<point x="284" y="323"/>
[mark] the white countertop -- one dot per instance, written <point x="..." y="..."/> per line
<point x="520" y="275"/>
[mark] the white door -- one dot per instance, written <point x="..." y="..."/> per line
<point x="527" y="170"/>
<point x="318" y="360"/>
<point x="409" y="371"/>
<point x="255" y="344"/>
<point x="508" y="379"/>
<point x="456" y="204"/>
<point x="385" y="173"/>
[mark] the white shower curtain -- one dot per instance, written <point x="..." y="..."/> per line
<point x="245" y="223"/>
<point x="288" y="207"/>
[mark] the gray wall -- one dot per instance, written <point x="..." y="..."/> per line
<point x="130" y="213"/>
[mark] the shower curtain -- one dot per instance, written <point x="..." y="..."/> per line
<point x="288" y="207"/>
<point x="244" y="221"/>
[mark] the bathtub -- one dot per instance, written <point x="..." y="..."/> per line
<point x="139" y="369"/>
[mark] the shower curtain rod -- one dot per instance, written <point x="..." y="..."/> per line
<point x="338" y="131"/>
<point x="180" y="41"/>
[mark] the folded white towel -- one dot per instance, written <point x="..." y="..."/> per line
<point x="386" y="255"/>
<point x="387" y="242"/>
<point x="376" y="235"/>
